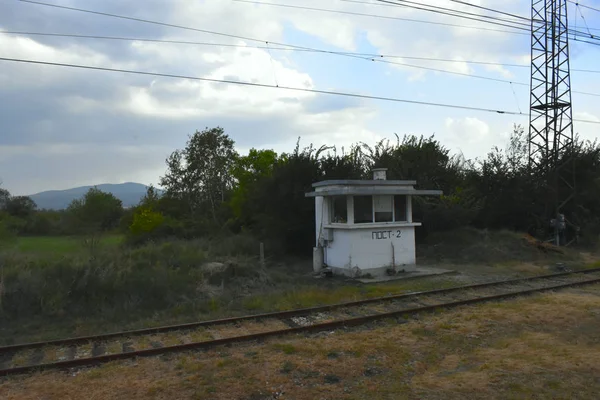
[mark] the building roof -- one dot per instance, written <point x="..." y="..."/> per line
<point x="369" y="191"/>
<point x="350" y="182"/>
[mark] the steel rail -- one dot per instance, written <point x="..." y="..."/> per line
<point x="93" y="361"/>
<point x="278" y="314"/>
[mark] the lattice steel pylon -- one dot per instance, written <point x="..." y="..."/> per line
<point x="550" y="114"/>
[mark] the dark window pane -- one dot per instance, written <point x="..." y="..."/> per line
<point x="340" y="210"/>
<point x="400" y="207"/>
<point x="363" y="209"/>
<point x="383" y="208"/>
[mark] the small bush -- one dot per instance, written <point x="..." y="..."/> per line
<point x="145" y="221"/>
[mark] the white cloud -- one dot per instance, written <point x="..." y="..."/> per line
<point x="467" y="135"/>
<point x="76" y="123"/>
<point x="586" y="116"/>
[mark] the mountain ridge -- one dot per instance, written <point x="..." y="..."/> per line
<point x="130" y="193"/>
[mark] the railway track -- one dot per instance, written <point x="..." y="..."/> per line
<point x="93" y="350"/>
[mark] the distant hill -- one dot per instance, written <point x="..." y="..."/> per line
<point x="129" y="193"/>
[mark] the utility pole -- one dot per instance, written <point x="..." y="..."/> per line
<point x="550" y="114"/>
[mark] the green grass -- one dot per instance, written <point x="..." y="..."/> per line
<point x="60" y="245"/>
<point x="52" y="287"/>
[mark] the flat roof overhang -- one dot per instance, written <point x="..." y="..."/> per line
<point x="380" y="182"/>
<point x="360" y="191"/>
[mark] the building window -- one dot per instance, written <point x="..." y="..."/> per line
<point x="383" y="208"/>
<point x="339" y="214"/>
<point x="400" y="208"/>
<point x="363" y="209"/>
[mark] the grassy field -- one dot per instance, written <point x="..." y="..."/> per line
<point x="540" y="347"/>
<point x="54" y="287"/>
<point x="60" y="245"/>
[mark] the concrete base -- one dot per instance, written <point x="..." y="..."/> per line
<point x="419" y="272"/>
<point x="356" y="272"/>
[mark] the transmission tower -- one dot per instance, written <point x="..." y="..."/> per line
<point x="550" y="115"/>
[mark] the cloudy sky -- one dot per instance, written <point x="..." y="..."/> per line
<point x="64" y="127"/>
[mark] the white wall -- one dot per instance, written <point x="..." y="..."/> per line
<point x="371" y="248"/>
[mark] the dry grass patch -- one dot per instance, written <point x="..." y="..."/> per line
<point x="536" y="347"/>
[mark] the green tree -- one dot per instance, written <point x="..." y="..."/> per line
<point x="248" y="171"/>
<point x="280" y="211"/>
<point x="20" y="206"/>
<point x="200" y="174"/>
<point x="151" y="198"/>
<point x="4" y="198"/>
<point x="97" y="211"/>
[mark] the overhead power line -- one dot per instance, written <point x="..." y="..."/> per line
<point x="262" y="41"/>
<point x="389" y="3"/>
<point x="584" y="6"/>
<point x="522" y="26"/>
<point x="524" y="31"/>
<point x="489" y="9"/>
<point x="314" y="50"/>
<point x="363" y="56"/>
<point x="458" y="13"/>
<point x="241" y="83"/>
<point x="377" y="16"/>
<point x="186" y="27"/>
<point x="363" y="96"/>
<point x="147" y="21"/>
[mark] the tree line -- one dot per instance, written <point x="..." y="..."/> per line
<point x="210" y="190"/>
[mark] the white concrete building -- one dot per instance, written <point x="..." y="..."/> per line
<point x="365" y="226"/>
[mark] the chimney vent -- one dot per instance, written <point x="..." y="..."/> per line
<point x="379" y="174"/>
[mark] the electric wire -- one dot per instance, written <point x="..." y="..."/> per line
<point x="457" y="13"/>
<point x="584" y="21"/>
<point x="259" y="40"/>
<point x="279" y="44"/>
<point x="584" y="6"/>
<point x="348" y="12"/>
<point x="247" y="38"/>
<point x="186" y="27"/>
<point x="157" y="23"/>
<point x="402" y="3"/>
<point x="314" y="50"/>
<point x="367" y="57"/>
<point x="522" y="26"/>
<point x="377" y="16"/>
<point x="516" y="98"/>
<point x="393" y="4"/>
<point x="262" y="85"/>
<point x="489" y="9"/>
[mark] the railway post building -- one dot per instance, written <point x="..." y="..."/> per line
<point x="365" y="226"/>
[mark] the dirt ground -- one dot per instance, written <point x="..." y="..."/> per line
<point x="544" y="346"/>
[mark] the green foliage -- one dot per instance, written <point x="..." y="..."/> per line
<point x="145" y="221"/>
<point x="4" y="198"/>
<point x="122" y="279"/>
<point x="20" y="206"/>
<point x="7" y="236"/>
<point x="200" y="174"/>
<point x="60" y="246"/>
<point x="97" y="211"/>
<point x="211" y="191"/>
<point x="248" y="171"/>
